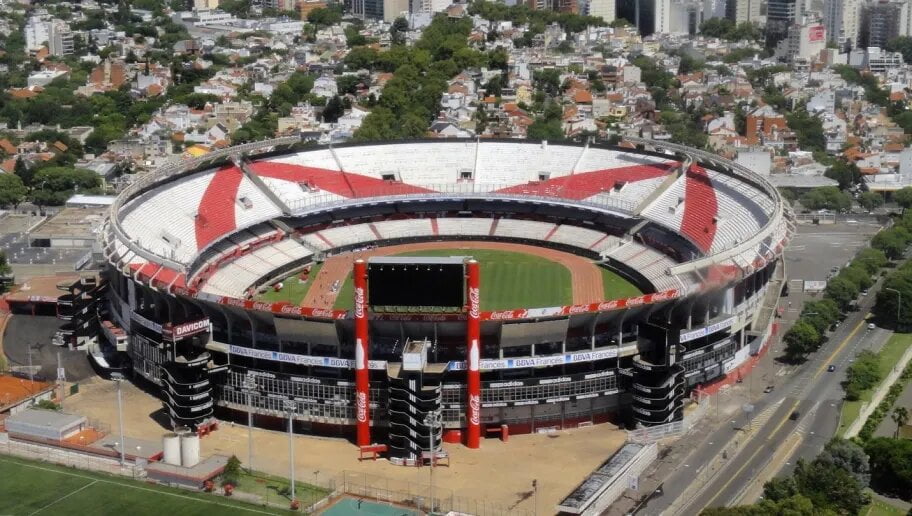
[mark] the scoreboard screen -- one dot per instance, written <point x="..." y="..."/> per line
<point x="416" y="281"/>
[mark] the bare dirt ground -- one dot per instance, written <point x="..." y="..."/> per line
<point x="499" y="473"/>
<point x="585" y="276"/>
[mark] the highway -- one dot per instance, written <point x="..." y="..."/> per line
<point x="811" y="391"/>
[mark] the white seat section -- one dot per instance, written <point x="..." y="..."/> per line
<point x="347" y="235"/>
<point x="740" y="215"/>
<point x="451" y="226"/>
<point x="292" y="249"/>
<point x="316" y="242"/>
<point x="163" y="220"/>
<point x="404" y="228"/>
<point x="668" y="208"/>
<point x="509" y="163"/>
<point x="577" y="236"/>
<point x="530" y="229"/>
<point x="260" y="207"/>
<point x="557" y="160"/>
<point x="652" y="264"/>
<point x="411" y="163"/>
<point x="602" y="159"/>
<point x="322" y="158"/>
<point x="298" y="196"/>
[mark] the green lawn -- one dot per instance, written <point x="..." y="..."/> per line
<point x="293" y="289"/>
<point x="30" y="487"/>
<point x="888" y="357"/>
<point x="616" y="287"/>
<point x="508" y="279"/>
<point x="880" y="508"/>
<point x="274" y="488"/>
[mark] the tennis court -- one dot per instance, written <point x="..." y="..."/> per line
<point x="348" y="505"/>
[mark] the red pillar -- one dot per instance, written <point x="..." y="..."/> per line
<point x="473" y="349"/>
<point x="362" y="373"/>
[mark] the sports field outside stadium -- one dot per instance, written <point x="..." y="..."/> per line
<point x="38" y="488"/>
<point x="509" y="280"/>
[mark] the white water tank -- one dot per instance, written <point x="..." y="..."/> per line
<point x="172" y="448"/>
<point x="189" y="450"/>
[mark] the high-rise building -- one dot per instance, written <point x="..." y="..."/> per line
<point x="649" y="16"/>
<point x="367" y="8"/>
<point x="883" y="21"/>
<point x="686" y="16"/>
<point x="607" y="9"/>
<point x="60" y="39"/>
<point x="841" y="19"/>
<point x="393" y="9"/>
<point x="36" y="33"/>
<point x="740" y="11"/>
<point x="780" y="15"/>
<point x="561" y="6"/>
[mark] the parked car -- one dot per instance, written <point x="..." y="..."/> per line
<point x="871" y="326"/>
<point x="769" y="389"/>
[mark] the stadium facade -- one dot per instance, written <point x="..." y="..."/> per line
<point x="189" y="245"/>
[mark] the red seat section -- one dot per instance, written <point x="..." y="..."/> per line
<point x="700" y="208"/>
<point x="216" y="210"/>
<point x="346" y="184"/>
<point x="586" y="184"/>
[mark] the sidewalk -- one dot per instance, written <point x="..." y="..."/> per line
<point x="879" y="395"/>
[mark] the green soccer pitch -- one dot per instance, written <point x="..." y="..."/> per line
<point x="38" y="488"/>
<point x="514" y="280"/>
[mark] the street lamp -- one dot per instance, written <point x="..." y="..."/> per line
<point x="290" y="407"/>
<point x="433" y="420"/>
<point x="249" y="384"/>
<point x="118" y="379"/>
<point x="898" y="303"/>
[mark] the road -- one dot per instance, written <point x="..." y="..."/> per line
<point x="811" y="391"/>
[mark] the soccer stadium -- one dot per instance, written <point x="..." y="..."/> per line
<point x="502" y="286"/>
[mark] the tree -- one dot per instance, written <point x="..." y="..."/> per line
<point x="870" y="200"/>
<point x="900" y="416"/>
<point x="325" y="16"/>
<point x="903" y="45"/>
<point x="54" y="185"/>
<point x="892" y="241"/>
<point x="871" y="259"/>
<point x="887" y="304"/>
<point x="5" y="269"/>
<point x="903" y="197"/>
<point x="232" y="472"/>
<point x="802" y="338"/>
<point x="333" y="110"/>
<point x="849" y="456"/>
<point x="24" y="172"/>
<point x="780" y="488"/>
<point x="846" y="173"/>
<point x="12" y="191"/>
<point x="820" y="314"/>
<point x="842" y="291"/>
<point x="863" y="374"/>
<point x="891" y="466"/>
<point x="829" y="486"/>
<point x="826" y="197"/>
<point x="397" y="31"/>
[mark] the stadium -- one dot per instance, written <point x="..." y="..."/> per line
<point x="504" y="286"/>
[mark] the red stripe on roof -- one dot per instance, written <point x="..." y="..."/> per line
<point x="216" y="215"/>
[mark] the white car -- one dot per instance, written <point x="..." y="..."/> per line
<point x="871" y="326"/>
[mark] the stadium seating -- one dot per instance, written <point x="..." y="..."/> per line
<point x="404" y="228"/>
<point x="528" y="229"/>
<point x="713" y="210"/>
<point x="411" y="163"/>
<point x="319" y="159"/>
<point x="577" y="236"/>
<point x="652" y="264"/>
<point x="463" y="226"/>
<point x="163" y="219"/>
